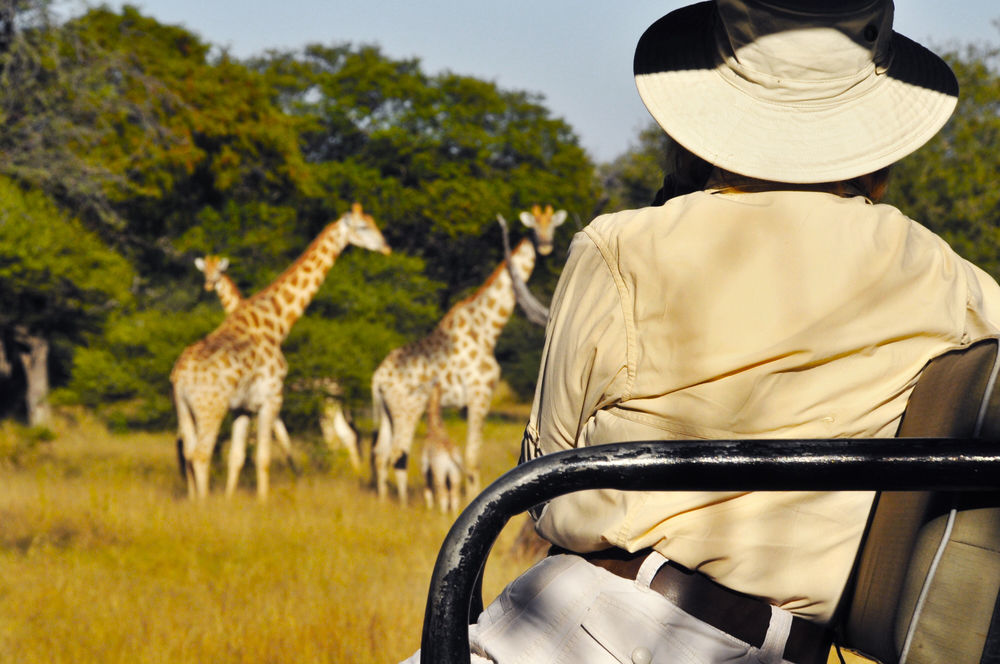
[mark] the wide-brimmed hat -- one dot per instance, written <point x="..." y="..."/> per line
<point x="801" y="92"/>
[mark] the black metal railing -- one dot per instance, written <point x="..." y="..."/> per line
<point x="885" y="464"/>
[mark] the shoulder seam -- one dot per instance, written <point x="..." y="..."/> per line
<point x="625" y="302"/>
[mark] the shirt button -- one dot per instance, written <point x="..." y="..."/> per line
<point x="641" y="656"/>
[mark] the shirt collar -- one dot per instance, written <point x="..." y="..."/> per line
<point x="724" y="182"/>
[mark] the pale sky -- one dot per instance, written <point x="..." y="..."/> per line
<point x="576" y="53"/>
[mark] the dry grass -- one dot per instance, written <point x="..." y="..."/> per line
<point x="102" y="558"/>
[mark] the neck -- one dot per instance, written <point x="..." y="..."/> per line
<point x="496" y="296"/>
<point x="286" y="299"/>
<point x="434" y="422"/>
<point x="522" y="259"/>
<point x="228" y="294"/>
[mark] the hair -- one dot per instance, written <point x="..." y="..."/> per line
<point x="686" y="173"/>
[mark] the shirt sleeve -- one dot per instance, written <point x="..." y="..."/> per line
<point x="983" y="302"/>
<point x="584" y="361"/>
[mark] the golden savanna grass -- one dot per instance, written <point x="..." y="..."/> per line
<point x="103" y="559"/>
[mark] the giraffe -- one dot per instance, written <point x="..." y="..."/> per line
<point x="457" y="354"/>
<point x="440" y="462"/>
<point x="216" y="279"/>
<point x="333" y="423"/>
<point x="240" y="366"/>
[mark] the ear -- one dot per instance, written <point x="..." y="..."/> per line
<point x="558" y="218"/>
<point x="528" y="219"/>
<point x="200" y="263"/>
<point x="223" y="264"/>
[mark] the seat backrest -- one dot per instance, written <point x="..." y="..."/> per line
<point x="928" y="574"/>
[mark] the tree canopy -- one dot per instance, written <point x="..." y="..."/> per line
<point x="167" y="149"/>
<point x="952" y="184"/>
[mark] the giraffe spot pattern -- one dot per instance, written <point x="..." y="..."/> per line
<point x="240" y="364"/>
<point x="460" y="353"/>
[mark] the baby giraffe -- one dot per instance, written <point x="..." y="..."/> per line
<point x="440" y="463"/>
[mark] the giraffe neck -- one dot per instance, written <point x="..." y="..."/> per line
<point x="287" y="297"/>
<point x="435" y="425"/>
<point x="229" y="294"/>
<point x="492" y="305"/>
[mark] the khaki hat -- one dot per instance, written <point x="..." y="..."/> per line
<point x="800" y="92"/>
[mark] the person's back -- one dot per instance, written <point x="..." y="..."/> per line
<point x="767" y="295"/>
<point x="737" y="299"/>
<point x="730" y="314"/>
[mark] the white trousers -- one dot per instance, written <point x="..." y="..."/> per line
<point x="565" y="610"/>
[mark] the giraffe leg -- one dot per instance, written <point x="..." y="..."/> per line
<point x="476" y="410"/>
<point x="281" y="435"/>
<point x="392" y="448"/>
<point x="262" y="458"/>
<point x="199" y="473"/>
<point x="441" y="487"/>
<point x="188" y="440"/>
<point x="380" y="453"/>
<point x="399" y="469"/>
<point x="428" y="481"/>
<point x="335" y="426"/>
<point x="191" y="482"/>
<point x="237" y="452"/>
<point x="454" y="482"/>
<point x="199" y="458"/>
<point x="402" y="440"/>
<point x="347" y="436"/>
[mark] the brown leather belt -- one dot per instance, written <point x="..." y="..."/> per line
<point x="741" y="616"/>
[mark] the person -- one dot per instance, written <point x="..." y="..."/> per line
<point x="769" y="294"/>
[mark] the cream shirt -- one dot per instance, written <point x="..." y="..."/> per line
<point x="744" y="315"/>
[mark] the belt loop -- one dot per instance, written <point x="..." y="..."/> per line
<point x="650" y="566"/>
<point x="773" y="649"/>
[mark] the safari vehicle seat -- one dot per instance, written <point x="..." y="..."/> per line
<point x="926" y="581"/>
<point x="928" y="574"/>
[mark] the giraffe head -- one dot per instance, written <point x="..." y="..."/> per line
<point x="213" y="267"/>
<point x="362" y="231"/>
<point x="544" y="223"/>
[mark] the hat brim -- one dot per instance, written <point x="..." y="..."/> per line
<point x="677" y="73"/>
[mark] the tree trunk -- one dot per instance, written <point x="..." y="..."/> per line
<point x="34" y="353"/>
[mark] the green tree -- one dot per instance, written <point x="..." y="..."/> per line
<point x="58" y="282"/>
<point x="952" y="184"/>
<point x="171" y="149"/>
<point x="632" y="179"/>
<point x="443" y="154"/>
<point x="123" y="372"/>
<point x="435" y="158"/>
<point x="82" y="122"/>
<point x="214" y="165"/>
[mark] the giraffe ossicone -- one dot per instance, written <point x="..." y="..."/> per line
<point x="458" y="356"/>
<point x="239" y="366"/>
